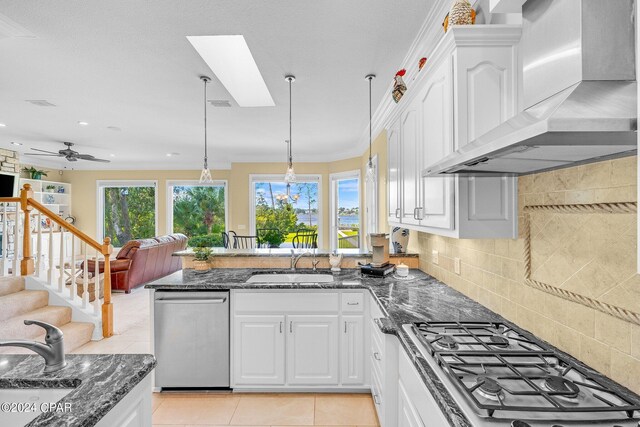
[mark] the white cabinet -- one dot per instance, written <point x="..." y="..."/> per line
<point x="393" y="172"/>
<point x="134" y="410"/>
<point x="352" y="350"/>
<point x="259" y="349"/>
<point x="298" y="339"/>
<point x="468" y="87"/>
<point x="312" y="349"/>
<point x="407" y="414"/>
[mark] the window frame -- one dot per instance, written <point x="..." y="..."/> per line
<point x="100" y="186"/>
<point x="333" y="211"/>
<point x="190" y="182"/>
<point x="253" y="178"/>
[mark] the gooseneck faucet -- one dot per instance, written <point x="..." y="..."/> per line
<point x="52" y="350"/>
<point x="295" y="259"/>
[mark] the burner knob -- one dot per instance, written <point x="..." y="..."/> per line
<point x="519" y="423"/>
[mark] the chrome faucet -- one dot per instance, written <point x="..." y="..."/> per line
<point x="295" y="259"/>
<point x="52" y="350"/>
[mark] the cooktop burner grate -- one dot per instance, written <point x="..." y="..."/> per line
<point x="501" y="369"/>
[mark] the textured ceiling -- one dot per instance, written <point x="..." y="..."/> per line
<point x="128" y="64"/>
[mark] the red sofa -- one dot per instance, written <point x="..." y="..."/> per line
<point x="144" y="260"/>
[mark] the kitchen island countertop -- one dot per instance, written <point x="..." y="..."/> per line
<point x="421" y="298"/>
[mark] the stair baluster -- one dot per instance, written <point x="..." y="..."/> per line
<point x="85" y="277"/>
<point x="50" y="266"/>
<point x="96" y="285"/>
<point x="39" y="245"/>
<point x="16" y="241"/>
<point x="61" y="275"/>
<point x="72" y="264"/>
<point x="5" y="238"/>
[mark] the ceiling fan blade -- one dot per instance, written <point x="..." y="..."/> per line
<point x="91" y="158"/>
<point x="38" y="154"/>
<point x="45" y="151"/>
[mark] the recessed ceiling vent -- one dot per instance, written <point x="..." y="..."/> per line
<point x="220" y="102"/>
<point x="40" y="102"/>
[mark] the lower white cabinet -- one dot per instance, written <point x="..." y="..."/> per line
<point x="259" y="343"/>
<point x="352" y="355"/>
<point x="134" y="410"/>
<point x="416" y="406"/>
<point x="312" y="349"/>
<point x="298" y="339"/>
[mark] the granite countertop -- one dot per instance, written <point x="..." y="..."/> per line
<point x="422" y="298"/>
<point x="286" y="252"/>
<point x="99" y="381"/>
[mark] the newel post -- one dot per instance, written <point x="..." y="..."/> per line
<point x="107" y="306"/>
<point x="26" y="264"/>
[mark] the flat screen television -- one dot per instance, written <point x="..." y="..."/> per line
<point x="9" y="184"/>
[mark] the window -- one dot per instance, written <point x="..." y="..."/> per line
<point x="277" y="216"/>
<point x="345" y="210"/>
<point x="127" y="210"/>
<point x="198" y="211"/>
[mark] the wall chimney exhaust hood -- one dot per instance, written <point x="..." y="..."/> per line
<point x="579" y="93"/>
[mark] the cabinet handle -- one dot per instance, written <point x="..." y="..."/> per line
<point x="353" y="303"/>
<point x="376" y="399"/>
<point x="280" y="327"/>
<point x="414" y="213"/>
<point x="376" y="355"/>
<point x="397" y="212"/>
<point x="420" y="214"/>
<point x="291" y="326"/>
<point x="345" y="327"/>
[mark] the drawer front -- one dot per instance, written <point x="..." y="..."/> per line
<point x="376" y="394"/>
<point x="377" y="353"/>
<point x="286" y="302"/>
<point x="352" y="302"/>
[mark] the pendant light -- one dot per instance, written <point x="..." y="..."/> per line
<point x="290" y="175"/>
<point x="205" y="175"/>
<point x="371" y="173"/>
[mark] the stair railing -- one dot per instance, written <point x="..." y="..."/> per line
<point x="24" y="223"/>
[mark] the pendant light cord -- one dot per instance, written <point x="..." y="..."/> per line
<point x="370" y="78"/>
<point x="206" y="80"/>
<point x="290" y="140"/>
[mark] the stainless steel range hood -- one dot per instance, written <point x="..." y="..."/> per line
<point x="579" y="93"/>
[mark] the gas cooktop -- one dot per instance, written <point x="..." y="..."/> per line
<point x="501" y="374"/>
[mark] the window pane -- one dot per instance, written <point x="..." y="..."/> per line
<point x="348" y="213"/>
<point x="198" y="212"/>
<point x="129" y="213"/>
<point x="280" y="216"/>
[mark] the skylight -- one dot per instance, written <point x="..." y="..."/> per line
<point x="230" y="59"/>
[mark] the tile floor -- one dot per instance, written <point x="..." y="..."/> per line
<point x="132" y="335"/>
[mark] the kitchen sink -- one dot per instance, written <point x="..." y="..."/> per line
<point x="29" y="403"/>
<point x="291" y="278"/>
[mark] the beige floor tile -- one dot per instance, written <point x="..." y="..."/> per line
<point x="199" y="411"/>
<point x="274" y="410"/>
<point x="156" y="400"/>
<point x="345" y="410"/>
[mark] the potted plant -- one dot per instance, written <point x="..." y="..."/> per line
<point x="34" y="173"/>
<point x="201" y="258"/>
<point x="50" y="188"/>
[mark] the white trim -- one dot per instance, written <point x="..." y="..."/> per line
<point x="253" y="178"/>
<point x="194" y="183"/>
<point x="333" y="213"/>
<point x="101" y="184"/>
<point x="371" y="195"/>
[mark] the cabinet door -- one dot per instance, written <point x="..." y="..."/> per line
<point x="407" y="415"/>
<point x="485" y="90"/>
<point x="352" y="361"/>
<point x="410" y="164"/>
<point x="436" y="201"/>
<point x="312" y="349"/>
<point x="393" y="173"/>
<point x="259" y="350"/>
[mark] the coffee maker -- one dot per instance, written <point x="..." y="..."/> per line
<point x="380" y="249"/>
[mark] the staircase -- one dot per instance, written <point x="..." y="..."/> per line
<point x="18" y="303"/>
<point x="40" y="283"/>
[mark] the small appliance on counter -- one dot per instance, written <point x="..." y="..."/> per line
<point x="379" y="265"/>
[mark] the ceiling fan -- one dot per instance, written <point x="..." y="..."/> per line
<point x="67" y="153"/>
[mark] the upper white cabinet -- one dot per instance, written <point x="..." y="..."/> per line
<point x="469" y="86"/>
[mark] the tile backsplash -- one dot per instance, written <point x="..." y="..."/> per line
<point x="590" y="254"/>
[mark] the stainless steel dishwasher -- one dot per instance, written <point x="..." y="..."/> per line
<point x="191" y="333"/>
